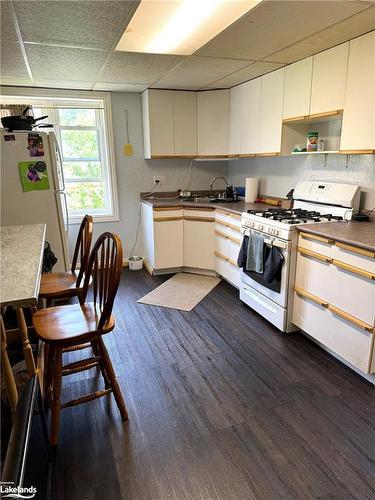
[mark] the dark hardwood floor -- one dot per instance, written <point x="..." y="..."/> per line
<point x="221" y="406"/>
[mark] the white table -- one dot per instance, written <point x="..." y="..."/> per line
<point x="21" y="259"/>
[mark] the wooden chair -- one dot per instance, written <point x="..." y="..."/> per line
<point x="69" y="284"/>
<point x="82" y="325"/>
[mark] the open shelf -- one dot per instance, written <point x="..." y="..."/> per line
<point x="328" y="125"/>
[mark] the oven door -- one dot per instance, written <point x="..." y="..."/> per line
<point x="277" y="291"/>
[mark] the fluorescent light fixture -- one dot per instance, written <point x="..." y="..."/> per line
<point x="180" y="26"/>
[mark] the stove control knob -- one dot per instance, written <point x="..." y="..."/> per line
<point x="276" y="233"/>
<point x="260" y="227"/>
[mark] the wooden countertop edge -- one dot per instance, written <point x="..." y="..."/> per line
<point x="326" y="234"/>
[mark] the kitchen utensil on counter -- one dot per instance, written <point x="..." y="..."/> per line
<point x="251" y="189"/>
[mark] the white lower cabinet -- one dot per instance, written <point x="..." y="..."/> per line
<point x="199" y="230"/>
<point x="334" y="300"/>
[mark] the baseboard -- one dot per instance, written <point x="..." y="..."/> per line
<point x="125" y="263"/>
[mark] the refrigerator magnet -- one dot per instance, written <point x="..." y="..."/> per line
<point x="34" y="175"/>
<point x="35" y="145"/>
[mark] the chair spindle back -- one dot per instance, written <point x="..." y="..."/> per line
<point x="104" y="265"/>
<point x="82" y="248"/>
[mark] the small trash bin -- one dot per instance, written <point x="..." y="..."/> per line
<point x="135" y="263"/>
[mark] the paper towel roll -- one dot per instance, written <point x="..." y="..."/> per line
<point x="251" y="189"/>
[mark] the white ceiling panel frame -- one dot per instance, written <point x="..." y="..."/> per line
<point x="22" y="46"/>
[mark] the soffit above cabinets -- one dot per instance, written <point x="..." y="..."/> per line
<point x="71" y="44"/>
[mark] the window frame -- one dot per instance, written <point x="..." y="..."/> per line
<point x="74" y="99"/>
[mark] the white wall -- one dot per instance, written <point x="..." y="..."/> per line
<point x="278" y="175"/>
<point x="135" y="174"/>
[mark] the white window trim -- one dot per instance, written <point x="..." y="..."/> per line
<point x="20" y="93"/>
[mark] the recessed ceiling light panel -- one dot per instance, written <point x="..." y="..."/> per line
<point x="180" y="26"/>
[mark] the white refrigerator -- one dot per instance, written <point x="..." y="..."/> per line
<point x="33" y="189"/>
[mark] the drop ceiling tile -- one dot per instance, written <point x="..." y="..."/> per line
<point x="81" y="23"/>
<point x="339" y="33"/>
<point x="200" y="71"/>
<point x="272" y="25"/>
<point x="62" y="84"/>
<point x="58" y="63"/>
<point x="12" y="62"/>
<point x="120" y="87"/>
<point x="133" y="67"/>
<point x="7" y="31"/>
<point x="244" y="74"/>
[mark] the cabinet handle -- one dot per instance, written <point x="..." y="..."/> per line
<point x="235" y="216"/>
<point x="315" y="255"/>
<point x="235" y="228"/>
<point x="166" y="219"/>
<point x="199" y="219"/>
<point x="314" y="237"/>
<point x="219" y="211"/>
<point x="221" y="256"/>
<point x="354" y="270"/>
<point x="221" y="223"/>
<point x="232" y="262"/>
<point x="219" y="233"/>
<point x="351" y="248"/>
<point x="352" y="319"/>
<point x="166" y="209"/>
<point x="310" y="296"/>
<point x="198" y="209"/>
<point x="235" y="240"/>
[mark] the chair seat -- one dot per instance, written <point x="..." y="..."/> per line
<point x="69" y="325"/>
<point x="56" y="285"/>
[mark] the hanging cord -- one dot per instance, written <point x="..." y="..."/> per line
<point x="182" y="189"/>
<point x="142" y="197"/>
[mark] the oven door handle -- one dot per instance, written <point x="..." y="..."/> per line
<point x="284" y="245"/>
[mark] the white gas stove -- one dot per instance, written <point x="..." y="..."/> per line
<point x="314" y="203"/>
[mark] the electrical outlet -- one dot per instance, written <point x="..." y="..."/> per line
<point x="160" y="179"/>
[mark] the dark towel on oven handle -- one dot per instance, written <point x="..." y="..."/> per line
<point x="242" y="255"/>
<point x="273" y="264"/>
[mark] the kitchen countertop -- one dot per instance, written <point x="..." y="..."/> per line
<point x="237" y="208"/>
<point x="22" y="249"/>
<point x="358" y="234"/>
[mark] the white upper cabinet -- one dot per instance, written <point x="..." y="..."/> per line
<point x="329" y="80"/>
<point x="358" y="128"/>
<point x="213" y="122"/>
<point x="158" y="128"/>
<point x="169" y="123"/>
<point x="185" y="123"/>
<point x="251" y="97"/>
<point x="297" y="89"/>
<point x="235" y="119"/>
<point x="271" y="112"/>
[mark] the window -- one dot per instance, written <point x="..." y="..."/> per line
<point x="83" y="130"/>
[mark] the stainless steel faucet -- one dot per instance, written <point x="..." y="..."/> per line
<point x="215" y="179"/>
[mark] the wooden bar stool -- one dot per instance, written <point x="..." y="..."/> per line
<point x="82" y="325"/>
<point x="69" y="284"/>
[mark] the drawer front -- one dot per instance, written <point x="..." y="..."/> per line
<point x="199" y="213"/>
<point x="221" y="242"/>
<point x="336" y="250"/>
<point x="344" y="289"/>
<point x="167" y="214"/>
<point x="345" y="339"/>
<point x="221" y="265"/>
<point x="222" y="215"/>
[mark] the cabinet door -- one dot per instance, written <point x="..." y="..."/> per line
<point x="251" y="97"/>
<point x="168" y="243"/>
<point x="329" y="79"/>
<point x="271" y="112"/>
<point x="199" y="237"/>
<point x="358" y="127"/>
<point x="297" y="89"/>
<point x="235" y="120"/>
<point x="160" y="105"/>
<point x="213" y="122"/>
<point x="185" y="123"/>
